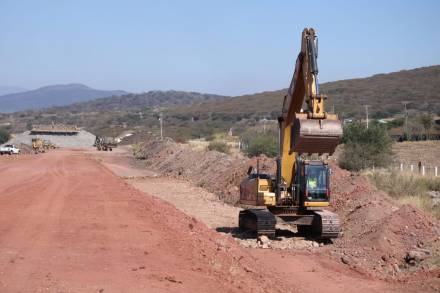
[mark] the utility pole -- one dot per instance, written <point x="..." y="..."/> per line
<point x="161" y="125"/>
<point x="406" y="116"/>
<point x="264" y="124"/>
<point x="366" y="111"/>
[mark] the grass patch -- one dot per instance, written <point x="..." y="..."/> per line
<point x="407" y="188"/>
<point x="221" y="147"/>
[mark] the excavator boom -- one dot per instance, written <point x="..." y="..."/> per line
<point x="312" y="129"/>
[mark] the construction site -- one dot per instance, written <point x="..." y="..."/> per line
<point x="331" y="187"/>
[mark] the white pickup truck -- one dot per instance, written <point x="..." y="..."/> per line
<point x="9" y="149"/>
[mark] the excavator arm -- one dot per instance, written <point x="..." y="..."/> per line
<point x="309" y="130"/>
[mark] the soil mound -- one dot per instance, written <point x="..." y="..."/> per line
<point x="378" y="233"/>
<point x="217" y="172"/>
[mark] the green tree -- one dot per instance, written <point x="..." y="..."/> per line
<point x="427" y="121"/>
<point x="262" y="144"/>
<point x="4" y="135"/>
<point x="365" y="148"/>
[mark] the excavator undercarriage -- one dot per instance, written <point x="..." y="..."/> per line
<point x="319" y="224"/>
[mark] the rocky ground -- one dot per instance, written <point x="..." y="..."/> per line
<point x="380" y="236"/>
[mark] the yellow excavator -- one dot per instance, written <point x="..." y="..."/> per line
<point x="300" y="189"/>
<point x="38" y="145"/>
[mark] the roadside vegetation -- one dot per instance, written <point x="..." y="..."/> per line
<point x="365" y="147"/>
<point x="4" y="135"/>
<point x="408" y="188"/>
<point x="260" y="143"/>
<point x="218" y="146"/>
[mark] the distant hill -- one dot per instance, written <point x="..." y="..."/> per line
<point x="6" y="90"/>
<point x="137" y="102"/>
<point x="194" y="115"/>
<point x="383" y="92"/>
<point x="48" y="96"/>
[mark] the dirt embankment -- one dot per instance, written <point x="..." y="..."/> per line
<point x="217" y="172"/>
<point x="380" y="237"/>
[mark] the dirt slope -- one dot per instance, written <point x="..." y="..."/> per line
<point x="70" y="225"/>
<point x="378" y="232"/>
<point x="217" y="172"/>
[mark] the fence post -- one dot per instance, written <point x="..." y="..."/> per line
<point x="412" y="168"/>
<point x="401" y="167"/>
<point x="436" y="171"/>
<point x="423" y="170"/>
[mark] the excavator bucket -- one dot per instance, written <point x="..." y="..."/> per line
<point x="315" y="135"/>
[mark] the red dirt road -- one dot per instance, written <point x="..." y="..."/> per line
<point x="68" y="224"/>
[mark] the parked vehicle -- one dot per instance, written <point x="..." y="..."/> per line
<point x="9" y="149"/>
<point x="105" y="143"/>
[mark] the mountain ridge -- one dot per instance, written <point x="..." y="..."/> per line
<point x="383" y="92"/>
<point x="149" y="99"/>
<point x="52" y="95"/>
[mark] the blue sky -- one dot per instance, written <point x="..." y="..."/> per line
<point x="224" y="47"/>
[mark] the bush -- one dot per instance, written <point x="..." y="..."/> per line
<point x="221" y="147"/>
<point x="262" y="144"/>
<point x="4" y="135"/>
<point x="365" y="148"/>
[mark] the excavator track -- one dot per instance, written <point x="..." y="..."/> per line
<point x="326" y="224"/>
<point x="257" y="220"/>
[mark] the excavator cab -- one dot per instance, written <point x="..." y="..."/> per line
<point x="312" y="188"/>
<point x="316" y="185"/>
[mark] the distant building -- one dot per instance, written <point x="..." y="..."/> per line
<point x="398" y="134"/>
<point x="54" y="129"/>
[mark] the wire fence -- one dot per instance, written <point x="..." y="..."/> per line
<point x="417" y="168"/>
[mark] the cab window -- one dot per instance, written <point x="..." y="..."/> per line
<point x="316" y="182"/>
